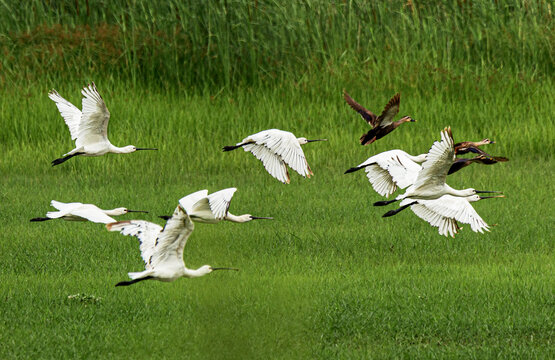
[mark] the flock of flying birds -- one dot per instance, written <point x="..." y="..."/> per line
<point x="423" y="176"/>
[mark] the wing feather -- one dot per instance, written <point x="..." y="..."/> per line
<point x="70" y="113"/>
<point x="367" y="115"/>
<point x="145" y="231"/>
<point x="94" y="121"/>
<point x="219" y="202"/>
<point x="438" y="161"/>
<point x="389" y="112"/>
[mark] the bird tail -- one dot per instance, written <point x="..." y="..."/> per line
<point x="368" y="138"/>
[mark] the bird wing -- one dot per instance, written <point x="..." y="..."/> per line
<point x="457" y="208"/>
<point x="275" y="148"/>
<point x="71" y="114"/>
<point x="438" y="161"/>
<point x="172" y="239"/>
<point x="367" y="115"/>
<point x="145" y="231"/>
<point x="94" y="121"/>
<point x="403" y="170"/>
<point x="91" y="213"/>
<point x="446" y="226"/>
<point x="389" y="112"/>
<point x="63" y="206"/>
<point x="219" y="202"/>
<point x="188" y="202"/>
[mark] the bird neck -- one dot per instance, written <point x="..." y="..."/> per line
<point x="418" y="158"/>
<point x="190" y="273"/>
<point x="120" y="150"/>
<point x="459" y="193"/>
<point x="237" y="218"/>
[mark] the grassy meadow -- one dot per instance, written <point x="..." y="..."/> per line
<point x="329" y="277"/>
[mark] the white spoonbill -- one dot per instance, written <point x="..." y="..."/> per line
<point x="391" y="169"/>
<point x="83" y="212"/>
<point x="276" y="148"/>
<point x="445" y="211"/>
<point x="213" y="208"/>
<point x="89" y="128"/>
<point x="162" y="248"/>
<point x="430" y="182"/>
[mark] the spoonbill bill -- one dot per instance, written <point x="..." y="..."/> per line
<point x="276" y="148"/>
<point x="213" y="208"/>
<point x="162" y="248"/>
<point x="83" y="212"/>
<point x="430" y="182"/>
<point x="381" y="125"/>
<point x="89" y="128"/>
<point x="445" y="211"/>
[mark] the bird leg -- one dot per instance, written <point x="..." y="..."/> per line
<point x="61" y="160"/>
<point x="229" y="148"/>
<point x="393" y="212"/>
<point x="131" y="282"/>
<point x="385" y="202"/>
<point x="40" y="219"/>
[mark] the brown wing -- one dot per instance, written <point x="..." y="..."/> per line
<point x="389" y="112"/>
<point x="367" y="115"/>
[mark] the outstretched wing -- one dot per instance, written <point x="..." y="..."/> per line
<point x="94" y="121"/>
<point x="92" y="213"/>
<point x="219" y="202"/>
<point x="457" y="208"/>
<point x="172" y="239"/>
<point x="71" y="115"/>
<point x="145" y="231"/>
<point x="188" y="202"/>
<point x="446" y="226"/>
<point x="438" y="161"/>
<point x="367" y="115"/>
<point x="63" y="206"/>
<point x="389" y="112"/>
<point x="275" y="148"/>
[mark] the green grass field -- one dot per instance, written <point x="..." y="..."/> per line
<point x="329" y="277"/>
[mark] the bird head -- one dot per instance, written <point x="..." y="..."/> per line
<point x="407" y="119"/>
<point x="303" y="140"/>
<point x="487" y="141"/>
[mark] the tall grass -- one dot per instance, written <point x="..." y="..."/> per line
<point x="225" y="43"/>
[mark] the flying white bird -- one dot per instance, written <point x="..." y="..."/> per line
<point x="445" y="211"/>
<point x="83" y="212"/>
<point x="276" y="148"/>
<point x="162" y="248"/>
<point x="212" y="208"/>
<point x="430" y="182"/>
<point x="391" y="169"/>
<point x="89" y="128"/>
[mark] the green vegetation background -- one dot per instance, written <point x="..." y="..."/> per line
<point x="329" y="278"/>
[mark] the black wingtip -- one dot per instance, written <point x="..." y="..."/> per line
<point x="229" y="148"/>
<point x="165" y="217"/>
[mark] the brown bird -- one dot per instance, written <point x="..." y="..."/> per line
<point x="472" y="146"/>
<point x="381" y="125"/>
<point x="481" y="159"/>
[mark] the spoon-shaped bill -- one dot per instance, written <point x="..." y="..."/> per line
<point x="145" y="149"/>
<point x="487" y="192"/>
<point x="138" y="211"/>
<point x="491" y="197"/>
<point x="224" y="268"/>
<point x="316" y="140"/>
<point x="261" y="217"/>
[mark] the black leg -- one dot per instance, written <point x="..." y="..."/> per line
<point x="384" y="203"/>
<point x="40" y="219"/>
<point x="396" y="211"/>
<point x="131" y="282"/>
<point x="64" y="159"/>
